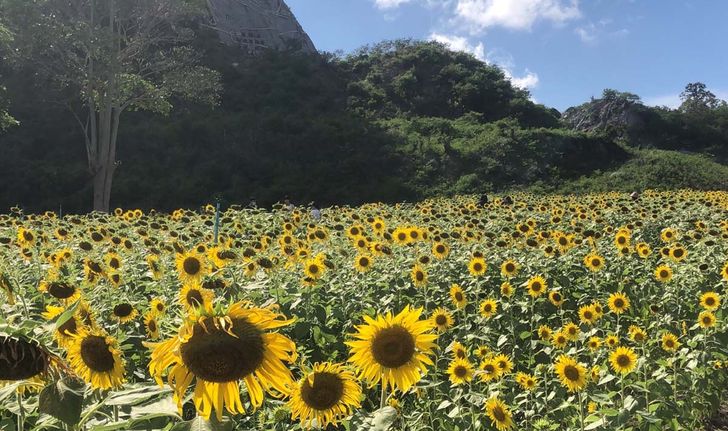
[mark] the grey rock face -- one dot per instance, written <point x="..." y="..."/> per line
<point x="258" y="25"/>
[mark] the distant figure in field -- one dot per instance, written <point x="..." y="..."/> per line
<point x="252" y="204"/>
<point x="507" y="200"/>
<point x="287" y="204"/>
<point x="483" y="201"/>
<point x="635" y="196"/>
<point x="315" y="211"/>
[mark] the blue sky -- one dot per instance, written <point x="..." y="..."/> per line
<point x="563" y="51"/>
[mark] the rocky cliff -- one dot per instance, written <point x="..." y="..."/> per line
<point x="257" y="25"/>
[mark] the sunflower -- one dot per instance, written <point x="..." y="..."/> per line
<point x="440" y="250"/>
<point x="509" y="268"/>
<point x="536" y="286"/>
<point x="324" y="396"/>
<point x="151" y="325"/>
<point x="526" y="381"/>
<point x="458" y="350"/>
<point x="313" y="269"/>
<point x="668" y="234"/>
<point x="154" y="267"/>
<point x="706" y="319"/>
<point x="678" y="253"/>
<point x="724" y="271"/>
<point x="441" y="319"/>
<point x="556" y="298"/>
<point x="506" y="289"/>
<point x="193" y="296"/>
<point x="544" y="332"/>
<point x="559" y="339"/>
<point x="64" y="291"/>
<point x="710" y="301"/>
<point x="637" y="334"/>
<point x="218" y="351"/>
<point x="26" y="360"/>
<point x="488" y="308"/>
<point x="124" y="312"/>
<point x="587" y="314"/>
<point x="594" y="343"/>
<point x="499" y="414"/>
<point x="418" y="275"/>
<point x="482" y="351"/>
<point x="157" y="306"/>
<point x="663" y="273"/>
<point x="363" y="263"/>
<point x="477" y="266"/>
<point x="393" y="349"/>
<point x="458" y="296"/>
<point x="191" y="266"/>
<point x="594" y="262"/>
<point x="571" y="373"/>
<point x="96" y="358"/>
<point x="612" y="341"/>
<point x="618" y="303"/>
<point x="571" y="330"/>
<point x="669" y="342"/>
<point x="489" y="370"/>
<point x="623" y="360"/>
<point x="504" y="363"/>
<point x="460" y="371"/>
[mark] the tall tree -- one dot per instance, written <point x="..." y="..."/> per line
<point x="6" y="120"/>
<point x="697" y="99"/>
<point x="110" y="56"/>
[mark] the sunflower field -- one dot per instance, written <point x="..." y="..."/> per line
<point x="594" y="312"/>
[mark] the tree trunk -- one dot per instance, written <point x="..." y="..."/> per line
<point x="105" y="163"/>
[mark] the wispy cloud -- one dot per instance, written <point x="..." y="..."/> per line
<point x="591" y="33"/>
<point x="514" y="14"/>
<point x="501" y="58"/>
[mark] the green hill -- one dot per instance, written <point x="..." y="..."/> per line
<point x="397" y="121"/>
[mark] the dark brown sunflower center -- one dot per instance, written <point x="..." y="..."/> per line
<point x="96" y="354"/>
<point x="191" y="265"/>
<point x="618" y="303"/>
<point x="678" y="252"/>
<point x="499" y="414"/>
<point x="363" y="261"/>
<point x="623" y="360"/>
<point x="393" y="347"/>
<point x="588" y="315"/>
<point x="556" y="297"/>
<point x="487" y="308"/>
<point x="440" y="249"/>
<point x="710" y="301"/>
<point x="596" y="262"/>
<point x="27" y="236"/>
<point x="326" y="391"/>
<point x="536" y="286"/>
<point x="313" y="269"/>
<point x="419" y="275"/>
<point x="458" y="296"/>
<point x="460" y="371"/>
<point x="478" y="267"/>
<point x="441" y="319"/>
<point x="61" y="290"/>
<point x="122" y="310"/>
<point x="707" y="320"/>
<point x="21" y="359"/>
<point x="510" y="267"/>
<point x="152" y="325"/>
<point x="216" y="356"/>
<point x="68" y="327"/>
<point x="194" y="298"/>
<point x="663" y="273"/>
<point x="489" y="368"/>
<point x="669" y="343"/>
<point x="571" y="373"/>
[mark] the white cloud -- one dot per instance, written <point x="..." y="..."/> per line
<point x="528" y="81"/>
<point x="501" y="58"/>
<point x="590" y="33"/>
<point x="459" y="43"/>
<point x="390" y="4"/>
<point x="514" y="14"/>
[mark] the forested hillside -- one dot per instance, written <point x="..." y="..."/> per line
<point x="397" y="121"/>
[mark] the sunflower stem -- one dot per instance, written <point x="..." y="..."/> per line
<point x="21" y="411"/>
<point x="383" y="396"/>
<point x="581" y="412"/>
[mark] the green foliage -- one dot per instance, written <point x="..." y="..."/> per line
<point x="656" y="169"/>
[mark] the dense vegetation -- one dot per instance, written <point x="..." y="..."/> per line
<point x="397" y="121"/>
